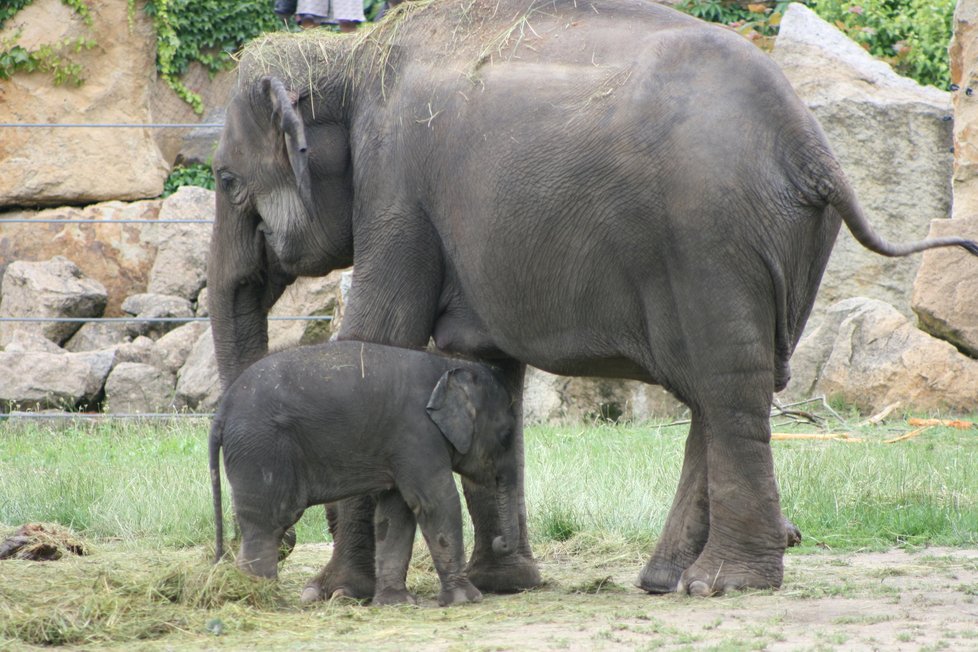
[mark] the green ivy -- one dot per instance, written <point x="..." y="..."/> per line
<point x="11" y="7"/>
<point x="53" y="59"/>
<point x="207" y="31"/>
<point x="910" y="35"/>
<point x="195" y="174"/>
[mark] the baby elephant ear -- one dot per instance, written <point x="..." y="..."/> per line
<point x="452" y="409"/>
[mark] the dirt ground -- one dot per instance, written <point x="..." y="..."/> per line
<point x="896" y="600"/>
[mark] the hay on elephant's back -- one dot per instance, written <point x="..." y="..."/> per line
<point x="41" y="542"/>
<point x="471" y="29"/>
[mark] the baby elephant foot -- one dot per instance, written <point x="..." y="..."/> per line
<point x="792" y="535"/>
<point x="458" y="591"/>
<point x="336" y="581"/>
<point x="390" y="596"/>
<point x="504" y="574"/>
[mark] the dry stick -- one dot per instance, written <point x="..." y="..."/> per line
<point x="879" y="416"/>
<point x="961" y="425"/>
<point x="909" y="435"/>
<point x="836" y="436"/>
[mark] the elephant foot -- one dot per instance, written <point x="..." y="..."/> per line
<point x="712" y="575"/>
<point x="460" y="592"/>
<point x="390" y="596"/>
<point x="659" y="576"/>
<point x="792" y="534"/>
<point x="507" y="574"/>
<point x="339" y="581"/>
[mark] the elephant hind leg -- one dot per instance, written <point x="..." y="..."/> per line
<point x="747" y="532"/>
<point x="687" y="526"/>
<point x="350" y="571"/>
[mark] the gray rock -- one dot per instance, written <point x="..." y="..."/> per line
<point x="31" y="341"/>
<point x="40" y="380"/>
<point x="54" y="288"/>
<point x="870" y="355"/>
<point x="306" y="297"/>
<point x="893" y="140"/>
<point x="198" y="383"/>
<point x="135" y="388"/>
<point x="569" y="400"/>
<point x="141" y="349"/>
<point x="180" y="268"/>
<point x="93" y="336"/>
<point x="945" y="294"/>
<point x="155" y="306"/>
<point x="173" y="349"/>
<point x="201" y="309"/>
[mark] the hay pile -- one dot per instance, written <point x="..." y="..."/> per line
<point x="41" y="542"/>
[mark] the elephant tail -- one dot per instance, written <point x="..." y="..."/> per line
<point x="214" y="446"/>
<point x="844" y="201"/>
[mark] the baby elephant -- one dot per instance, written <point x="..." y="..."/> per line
<point x="318" y="424"/>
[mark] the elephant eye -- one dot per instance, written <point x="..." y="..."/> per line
<point x="231" y="186"/>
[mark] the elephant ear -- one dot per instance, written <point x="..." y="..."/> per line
<point x="452" y="409"/>
<point x="289" y="123"/>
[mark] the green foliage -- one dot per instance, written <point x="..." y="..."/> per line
<point x="207" y="31"/>
<point x="910" y="35"/>
<point x="195" y="174"/>
<point x="11" y="7"/>
<point x="50" y="58"/>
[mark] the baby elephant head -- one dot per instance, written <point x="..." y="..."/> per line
<point x="475" y="412"/>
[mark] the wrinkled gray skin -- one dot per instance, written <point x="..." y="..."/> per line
<point x="604" y="188"/>
<point x="322" y="423"/>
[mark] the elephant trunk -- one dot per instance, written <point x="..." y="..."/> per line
<point x="244" y="279"/>
<point x="507" y="503"/>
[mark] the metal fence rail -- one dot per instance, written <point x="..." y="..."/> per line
<point x="134" y="319"/>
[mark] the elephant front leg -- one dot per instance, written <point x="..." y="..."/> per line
<point x="487" y="570"/>
<point x="350" y="571"/>
<point x="439" y="513"/>
<point x="688" y="523"/>
<point x="394" y="528"/>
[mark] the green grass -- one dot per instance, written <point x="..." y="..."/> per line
<point x="138" y="495"/>
<point x="148" y="482"/>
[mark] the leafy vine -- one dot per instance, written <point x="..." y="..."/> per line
<point x="53" y="59"/>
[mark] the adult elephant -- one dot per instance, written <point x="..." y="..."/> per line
<point x="608" y="188"/>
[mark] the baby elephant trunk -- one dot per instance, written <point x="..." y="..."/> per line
<point x="507" y="503"/>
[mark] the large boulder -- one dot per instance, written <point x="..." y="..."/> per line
<point x="55" y="288"/>
<point x="893" y="139"/>
<point x="150" y="309"/>
<point x="180" y="268"/>
<point x="945" y="294"/>
<point x="198" y="383"/>
<point x="568" y="400"/>
<point x="964" y="73"/>
<point x="870" y="355"/>
<point x="37" y="380"/>
<point x="134" y="388"/>
<point x="50" y="167"/>
<point x="101" y="239"/>
<point x="309" y="297"/>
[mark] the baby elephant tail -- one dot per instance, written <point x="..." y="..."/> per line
<point x="214" y="444"/>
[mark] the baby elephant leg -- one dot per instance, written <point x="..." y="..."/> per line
<point x="394" y="529"/>
<point x="440" y="518"/>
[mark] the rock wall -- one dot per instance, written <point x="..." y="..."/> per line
<point x="891" y="135"/>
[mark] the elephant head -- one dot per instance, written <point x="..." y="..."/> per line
<point x="284" y="204"/>
<point x="475" y="413"/>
